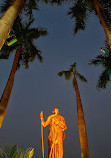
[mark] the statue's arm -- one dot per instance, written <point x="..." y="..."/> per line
<point x="45" y="124"/>
<point x="62" y="124"/>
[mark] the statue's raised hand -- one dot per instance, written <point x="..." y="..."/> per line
<point x="41" y="114"/>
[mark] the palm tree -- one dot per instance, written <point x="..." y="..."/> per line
<point x="11" y="13"/>
<point x="81" y="11"/>
<point x="105" y="62"/>
<point x="81" y="122"/>
<point x="8" y="18"/>
<point x="26" y="52"/>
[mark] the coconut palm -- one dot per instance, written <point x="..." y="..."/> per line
<point x="12" y="10"/>
<point x="82" y="9"/>
<point x="104" y="61"/>
<point x="26" y="52"/>
<point x="72" y="72"/>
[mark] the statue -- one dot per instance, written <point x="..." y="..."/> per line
<point x="56" y="133"/>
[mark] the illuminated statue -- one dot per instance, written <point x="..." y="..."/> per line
<point x="56" y="133"/>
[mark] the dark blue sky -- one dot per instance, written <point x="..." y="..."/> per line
<point x="39" y="88"/>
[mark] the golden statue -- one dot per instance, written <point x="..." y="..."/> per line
<point x="56" y="133"/>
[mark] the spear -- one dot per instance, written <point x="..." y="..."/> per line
<point x="42" y="137"/>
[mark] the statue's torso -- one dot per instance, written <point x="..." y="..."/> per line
<point x="55" y="131"/>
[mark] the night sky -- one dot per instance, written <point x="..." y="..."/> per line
<point x="39" y="88"/>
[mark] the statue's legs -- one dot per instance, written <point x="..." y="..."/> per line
<point x="60" y="144"/>
<point x="49" y="147"/>
<point x="55" y="147"/>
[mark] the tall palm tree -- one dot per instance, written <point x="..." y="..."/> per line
<point x="81" y="10"/>
<point x="12" y="10"/>
<point x="72" y="72"/>
<point x="26" y="52"/>
<point x="104" y="61"/>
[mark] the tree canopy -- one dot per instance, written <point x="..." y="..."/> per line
<point x="25" y="36"/>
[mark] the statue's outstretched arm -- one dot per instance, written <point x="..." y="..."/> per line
<point x="45" y="124"/>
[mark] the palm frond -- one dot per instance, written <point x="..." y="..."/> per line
<point x="5" y="5"/>
<point x="27" y="25"/>
<point x="107" y="47"/>
<point x="103" y="80"/>
<point x="21" y="155"/>
<point x="72" y="71"/>
<point x="100" y="59"/>
<point x="2" y="155"/>
<point x="79" y="13"/>
<point x="35" y="53"/>
<point x="81" y="10"/>
<point x="29" y="54"/>
<point x="105" y="62"/>
<point x="29" y="153"/>
<point x="79" y="25"/>
<point x="74" y="65"/>
<point x="56" y="2"/>
<point x="13" y="150"/>
<point x="81" y="77"/>
<point x="35" y="33"/>
<point x="6" y="51"/>
<point x="25" y="36"/>
<point x="30" y="6"/>
<point x="106" y="8"/>
<point x="52" y="2"/>
<point x="67" y="74"/>
<point x="61" y="73"/>
<point x="19" y="27"/>
<point x="6" y="151"/>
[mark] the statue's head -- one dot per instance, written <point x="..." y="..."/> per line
<point x="56" y="111"/>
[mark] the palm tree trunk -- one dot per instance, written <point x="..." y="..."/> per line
<point x="7" y="91"/>
<point x="104" y="21"/>
<point x="8" y="18"/>
<point x="81" y="123"/>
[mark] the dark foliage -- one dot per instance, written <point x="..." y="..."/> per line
<point x="72" y="71"/>
<point x="81" y="10"/>
<point x="105" y="62"/>
<point x="25" y="36"/>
